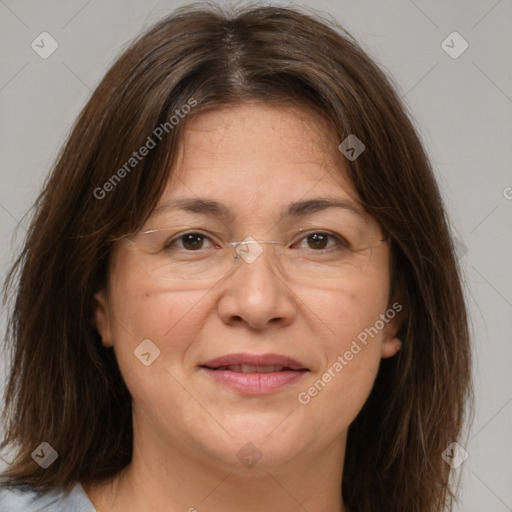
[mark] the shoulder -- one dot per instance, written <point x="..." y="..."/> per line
<point x="27" y="499"/>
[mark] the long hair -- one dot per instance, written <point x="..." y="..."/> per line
<point x="66" y="389"/>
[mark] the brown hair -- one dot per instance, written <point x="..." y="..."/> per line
<point x="65" y="388"/>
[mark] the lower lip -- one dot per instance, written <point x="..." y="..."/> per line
<point x="255" y="383"/>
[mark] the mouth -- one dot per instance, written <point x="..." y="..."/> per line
<point x="254" y="374"/>
<point x="249" y="368"/>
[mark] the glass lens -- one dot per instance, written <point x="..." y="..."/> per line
<point x="334" y="264"/>
<point x="192" y="256"/>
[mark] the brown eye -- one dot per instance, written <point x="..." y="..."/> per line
<point x="189" y="242"/>
<point x="318" y="240"/>
<point x="322" y="241"/>
<point x="193" y="241"/>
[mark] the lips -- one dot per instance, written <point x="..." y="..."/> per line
<point x="250" y="374"/>
<point x="254" y="363"/>
<point x="250" y="368"/>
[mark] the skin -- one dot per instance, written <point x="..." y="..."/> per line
<point x="255" y="159"/>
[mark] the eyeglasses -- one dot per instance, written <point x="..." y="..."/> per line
<point x="195" y="256"/>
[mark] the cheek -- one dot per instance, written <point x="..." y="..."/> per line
<point x="168" y="319"/>
<point x="153" y="333"/>
<point x="339" y="390"/>
<point x="149" y="316"/>
<point x="351" y="347"/>
<point x="342" y="314"/>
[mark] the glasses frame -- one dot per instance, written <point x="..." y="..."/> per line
<point x="236" y="256"/>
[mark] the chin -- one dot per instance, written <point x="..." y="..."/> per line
<point x="256" y="445"/>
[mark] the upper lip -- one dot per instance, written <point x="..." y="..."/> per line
<point x="254" y="360"/>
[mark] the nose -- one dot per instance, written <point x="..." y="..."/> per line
<point x="255" y="292"/>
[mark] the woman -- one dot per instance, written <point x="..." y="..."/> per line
<point x="238" y="291"/>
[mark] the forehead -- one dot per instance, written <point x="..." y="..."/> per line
<point x="252" y="124"/>
<point x="258" y="156"/>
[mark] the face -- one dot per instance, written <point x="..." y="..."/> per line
<point x="254" y="160"/>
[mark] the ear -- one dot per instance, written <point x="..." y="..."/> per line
<point x="391" y="344"/>
<point x="390" y="347"/>
<point x="101" y="317"/>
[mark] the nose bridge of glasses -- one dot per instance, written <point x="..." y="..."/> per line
<point x="250" y="249"/>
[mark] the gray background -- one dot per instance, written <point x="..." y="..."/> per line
<point x="462" y="109"/>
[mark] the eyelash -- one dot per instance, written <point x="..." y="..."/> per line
<point x="341" y="240"/>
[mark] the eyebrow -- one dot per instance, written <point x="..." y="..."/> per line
<point x="213" y="208"/>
